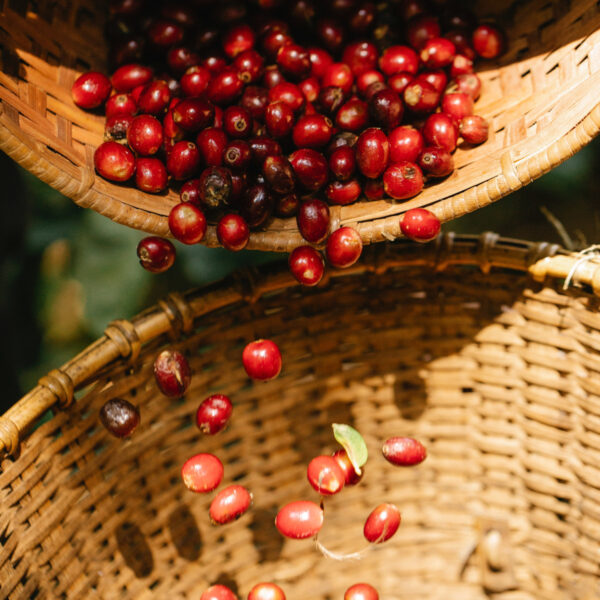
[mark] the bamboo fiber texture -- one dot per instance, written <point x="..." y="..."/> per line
<point x="495" y="369"/>
<point x="540" y="98"/>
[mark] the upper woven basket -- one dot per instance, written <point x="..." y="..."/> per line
<point x="541" y="99"/>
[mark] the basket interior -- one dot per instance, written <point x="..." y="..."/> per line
<point x="536" y="97"/>
<point x="496" y="375"/>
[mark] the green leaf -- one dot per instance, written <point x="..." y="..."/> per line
<point x="353" y="443"/>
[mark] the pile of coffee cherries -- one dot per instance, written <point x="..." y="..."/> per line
<point x="269" y="108"/>
<point x="327" y="474"/>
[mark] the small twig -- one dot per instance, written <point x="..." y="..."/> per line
<point x="336" y="556"/>
<point x="560" y="229"/>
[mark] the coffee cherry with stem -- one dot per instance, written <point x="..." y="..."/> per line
<point x="382" y="523"/>
<point x="187" y="223"/>
<point x="325" y="475"/>
<point x="119" y="417"/>
<point x="218" y="592"/>
<point x="361" y="591"/>
<point x="266" y="591"/>
<point x="202" y="473"/>
<point x="233" y="232"/>
<point x="91" y="89"/>
<point x="420" y="225"/>
<point x="213" y="414"/>
<point x="229" y="504"/>
<point x="172" y="373"/>
<point x="404" y="451"/>
<point x="306" y="265"/>
<point x="344" y="247"/>
<point x="299" y="520"/>
<point x="156" y="254"/>
<point x="262" y="360"/>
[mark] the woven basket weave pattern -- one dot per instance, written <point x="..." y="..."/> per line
<point x="541" y="101"/>
<point x="450" y="343"/>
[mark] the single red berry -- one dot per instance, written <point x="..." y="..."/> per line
<point x="421" y="97"/>
<point x="279" y="119"/>
<point x="386" y="109"/>
<point x="474" y="129"/>
<point x="255" y="100"/>
<point x="165" y="33"/>
<point x="438" y="53"/>
<point x="299" y="520"/>
<point x="399" y="81"/>
<point x="278" y="173"/>
<point x="238" y="39"/>
<point x="229" y="504"/>
<point x="320" y="61"/>
<point x="120" y="104"/>
<point x="372" y="152"/>
<point x="362" y="19"/>
<point x="342" y="163"/>
<point x="488" y="41"/>
<point x="115" y="127"/>
<point x="420" y="225"/>
<point x="404" y="451"/>
<point x="190" y="191"/>
<point x="250" y="66"/>
<point x="351" y="477"/>
<point x="255" y="205"/>
<point x="461" y="65"/>
<point x="183" y="160"/>
<point x="187" y="223"/>
<point x="202" y="473"/>
<point x="436" y="162"/>
<point x="195" y="80"/>
<point x="114" y="161"/>
<point x="237" y="155"/>
<point x="145" y="135"/>
<point x="440" y="130"/>
<point x="128" y="77"/>
<point x="237" y="122"/>
<point x="382" y="523"/>
<point x="262" y="360"/>
<point x="266" y="591"/>
<point x="313" y="220"/>
<point x="421" y="29"/>
<point x="119" y="417"/>
<point x="239" y="181"/>
<point x="406" y="144"/>
<point x="325" y="475"/>
<point x="213" y="414"/>
<point x="154" y="97"/>
<point x="272" y="76"/>
<point x="262" y="147"/>
<point x="331" y="34"/>
<point x="273" y="41"/>
<point x="172" y="373"/>
<point x="338" y="75"/>
<point x="330" y="99"/>
<point x="193" y="114"/>
<point x="289" y="93"/>
<point x="310" y="88"/>
<point x="469" y="84"/>
<point x="306" y="265"/>
<point x="181" y="58"/>
<point x="343" y="192"/>
<point x="461" y="38"/>
<point x="212" y="142"/>
<point x="373" y="189"/>
<point x="150" y="175"/>
<point x="353" y="115"/>
<point x="218" y="592"/>
<point x="457" y="105"/>
<point x="310" y="168"/>
<point x="233" y="232"/>
<point x="91" y="89"/>
<point x="437" y="78"/>
<point x="399" y="58"/>
<point x="156" y="254"/>
<point x="375" y="87"/>
<point x="361" y="591"/>
<point x="344" y="247"/>
<point x="287" y="206"/>
<point x="366" y="78"/>
<point x="403" y="180"/>
<point x="128" y="50"/>
<point x="225" y="86"/>
<point x="360" y="57"/>
<point x="214" y="188"/>
<point x="312" y="131"/>
<point x="294" y="60"/>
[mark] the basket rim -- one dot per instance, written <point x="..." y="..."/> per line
<point x="179" y="312"/>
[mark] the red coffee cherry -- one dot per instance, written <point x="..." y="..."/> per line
<point x="313" y="131"/>
<point x="183" y="160"/>
<point x="366" y="78"/>
<point x="233" y="232"/>
<point x="120" y="104"/>
<point x="361" y="591"/>
<point x="437" y="78"/>
<point x="325" y="475"/>
<point x="279" y="119"/>
<point x="320" y="61"/>
<point x="350" y="475"/>
<point x="294" y="61"/>
<point x="119" y="417"/>
<point x="440" y="130"/>
<point x="145" y="135"/>
<point x="421" y="97"/>
<point x="353" y="115"/>
<point x="396" y="59"/>
<point x="212" y="142"/>
<point x="342" y="163"/>
<point x="237" y="155"/>
<point x="114" y="161"/>
<point x="488" y="41"/>
<point x="382" y="523"/>
<point x="344" y="247"/>
<point x="474" y="129"/>
<point x="229" y="504"/>
<point x="404" y="451"/>
<point x="372" y="152"/>
<point x="128" y="77"/>
<point x="91" y="89"/>
<point x="310" y="168"/>
<point x="438" y="53"/>
<point x="250" y="66"/>
<point x="457" y="105"/>
<point x="202" y="473"/>
<point x="420" y="225"/>
<point x="338" y="75"/>
<point x="343" y="192"/>
<point x="213" y="414"/>
<point x="218" y="592"/>
<point x="238" y="39"/>
<point x="360" y="56"/>
<point x="262" y="360"/>
<point x="193" y="114"/>
<point x="436" y="162"/>
<point x="225" y="86"/>
<point x="467" y="84"/>
<point x="266" y="591"/>
<point x="195" y="80"/>
<point x="172" y="373"/>
<point x="187" y="223"/>
<point x="403" y="180"/>
<point x="313" y="220"/>
<point x="154" y="97"/>
<point x="237" y="122"/>
<point x="406" y="144"/>
<point x="156" y="254"/>
<point x="150" y="175"/>
<point x="299" y="520"/>
<point x="306" y="265"/>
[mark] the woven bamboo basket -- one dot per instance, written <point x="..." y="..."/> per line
<point x="541" y="100"/>
<point x="469" y="344"/>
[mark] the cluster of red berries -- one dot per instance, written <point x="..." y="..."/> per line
<point x="255" y="116"/>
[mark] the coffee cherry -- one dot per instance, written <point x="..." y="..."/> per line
<point x="306" y="265"/>
<point x="421" y="29"/>
<point x="421" y="97"/>
<point x="238" y="40"/>
<point x="180" y="59"/>
<point x="361" y="591"/>
<point x="469" y="84"/>
<point x="310" y="88"/>
<point x="343" y="192"/>
<point x="156" y="254"/>
<point x="331" y="34"/>
<point x="287" y="206"/>
<point x="233" y="232"/>
<point x="373" y="189"/>
<point x="202" y="473"/>
<point x="218" y="592"/>
<point x="165" y="33"/>
<point x="279" y="174"/>
<point x="325" y="475"/>
<point x="272" y="76"/>
<point x="172" y="373"/>
<point x="261" y="148"/>
<point x="360" y="57"/>
<point x="404" y="451"/>
<point x="120" y="104"/>
<point x="154" y="97"/>
<point x="262" y="360"/>
<point x="310" y="168"/>
<point x="382" y="523"/>
<point x="213" y="414"/>
<point x="289" y="93"/>
<point x="250" y="66"/>
<point x="91" y="89"/>
<point x="338" y="75"/>
<point x="255" y="205"/>
<point x="440" y="130"/>
<point x="193" y="114"/>
<point x="150" y="175"/>
<point x="385" y="108"/>
<point x="438" y="53"/>
<point x="406" y="144"/>
<point x="183" y="160"/>
<point x="237" y="155"/>
<point x="225" y="86"/>
<point x="396" y="59"/>
<point x="342" y="163"/>
<point x="351" y="477"/>
<point x="237" y="122"/>
<point x="313" y="131"/>
<point x="457" y="105"/>
<point x="114" y="161"/>
<point x="488" y="41"/>
<point x="436" y="162"/>
<point x="299" y="520"/>
<point x="330" y="99"/>
<point x="437" y="78"/>
<point x="313" y="220"/>
<point x="420" y="225"/>
<point x="266" y="591"/>
<point x="120" y="417"/>
<point x="353" y="115"/>
<point x="279" y="119"/>
<point x="187" y="223"/>
<point x="195" y="80"/>
<point x="473" y="129"/>
<point x="212" y="142"/>
<point x="461" y="65"/>
<point x="128" y="77"/>
<point x="214" y="187"/>
<point x="344" y="247"/>
<point x="145" y="135"/>
<point x="294" y="61"/>
<point x="229" y="504"/>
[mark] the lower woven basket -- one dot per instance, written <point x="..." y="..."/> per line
<point x="495" y="369"/>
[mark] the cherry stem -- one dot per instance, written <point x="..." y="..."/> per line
<point x="337" y="556"/>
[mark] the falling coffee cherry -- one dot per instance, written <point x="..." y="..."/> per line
<point x="156" y="254"/>
<point x="120" y="417"/>
<point x="404" y="451"/>
<point x="213" y="414"/>
<point x="299" y="520"/>
<point x="361" y="591"/>
<point x="325" y="475"/>
<point x="172" y="373"/>
<point x="230" y="504"/>
<point x="218" y="592"/>
<point x="266" y="591"/>
<point x="420" y="225"/>
<point x="351" y="477"/>
<point x="382" y="523"/>
<point x="262" y="360"/>
<point x="202" y="473"/>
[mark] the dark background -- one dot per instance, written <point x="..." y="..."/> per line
<point x="65" y="272"/>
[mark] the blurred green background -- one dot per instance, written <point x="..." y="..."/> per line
<point x="65" y="272"/>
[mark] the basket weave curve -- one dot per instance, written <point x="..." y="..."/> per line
<point x="499" y="375"/>
<point x="541" y="100"/>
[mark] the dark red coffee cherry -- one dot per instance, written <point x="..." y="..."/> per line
<point x="343" y="192"/>
<point x="172" y="373"/>
<point x="299" y="520"/>
<point x="404" y="451"/>
<point x="202" y="473"/>
<point x="114" y="161"/>
<point x="116" y="127"/>
<point x="237" y="122"/>
<point x="372" y="152"/>
<point x="262" y="360"/>
<point x="278" y="173"/>
<point x="120" y="417"/>
<point x="193" y="114"/>
<point x="294" y="61"/>
<point x="187" y="223"/>
<point x="342" y="163"/>
<point x="214" y="188"/>
<point x="382" y="523"/>
<point x="238" y="39"/>
<point x="225" y="86"/>
<point x="145" y="135"/>
<point x="183" y="160"/>
<point x="360" y="56"/>
<point x="344" y="247"/>
<point x="250" y="66"/>
<point x="421" y="29"/>
<point x="436" y="162"/>
<point x="233" y="232"/>
<point x="237" y="155"/>
<point x="313" y="220"/>
<point x="91" y="90"/>
<point x="467" y="84"/>
<point x="156" y="254"/>
<point x="310" y="168"/>
<point x="279" y="119"/>
<point x="212" y="142"/>
<point x="386" y="109"/>
<point x="420" y="225"/>
<point x="306" y="265"/>
<point x="261" y="148"/>
<point x="366" y="78"/>
<point x="213" y="414"/>
<point x="313" y="131"/>
<point x="289" y="93"/>
<point x="229" y="504"/>
<point x="154" y="97"/>
<point x="255" y="205"/>
<point x="437" y="78"/>
<point x="320" y="61"/>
